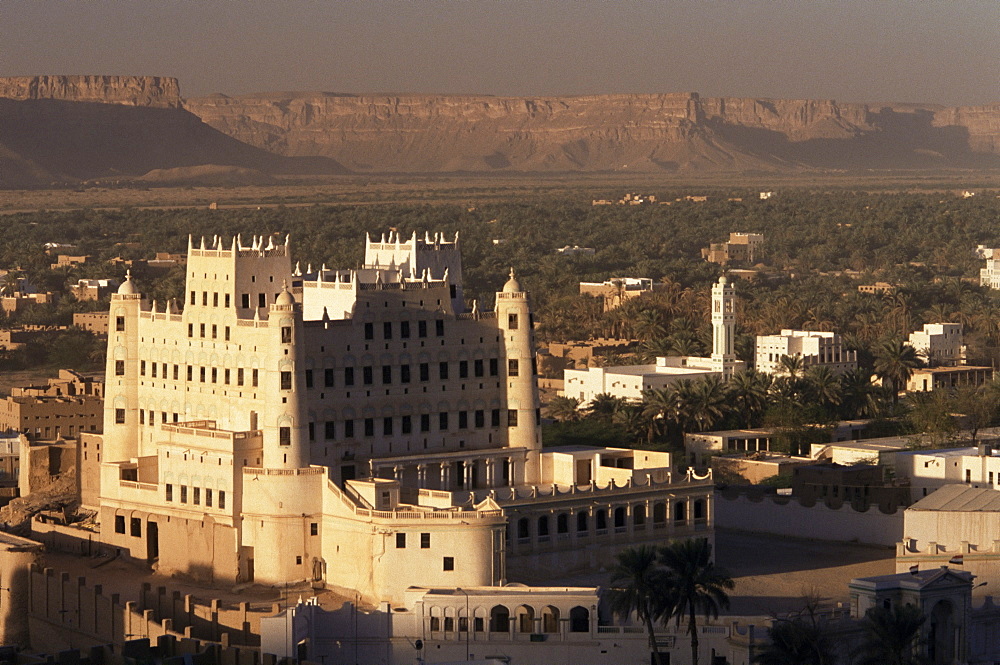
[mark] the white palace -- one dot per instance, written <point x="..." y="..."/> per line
<point x="359" y="428"/>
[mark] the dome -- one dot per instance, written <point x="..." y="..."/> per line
<point x="284" y="298"/>
<point x="127" y="287"/>
<point x="512" y="285"/>
<point x="723" y="280"/>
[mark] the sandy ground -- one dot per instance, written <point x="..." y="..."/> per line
<point x="774" y="573"/>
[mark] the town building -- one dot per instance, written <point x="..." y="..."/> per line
<point x="93" y="289"/>
<point x="95" y="322"/>
<point x="576" y="250"/>
<point x="741" y="248"/>
<point x="51" y="417"/>
<point x="926" y="379"/>
<point x="630" y="381"/>
<point x="342" y="426"/>
<point x="863" y="484"/>
<point x="877" y="289"/>
<point x="989" y="276"/>
<point x="927" y="470"/>
<point x="618" y="290"/>
<point x="939" y="344"/>
<point x="69" y="261"/>
<point x="816" y="349"/>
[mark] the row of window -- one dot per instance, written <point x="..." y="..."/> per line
<point x="620" y="518"/>
<point x="404" y="329"/>
<point x="500" y="621"/>
<point x="203" y="330"/>
<point x="405" y="373"/>
<point x="444" y="421"/>
<point x="205" y="374"/>
<point x="195" y="494"/>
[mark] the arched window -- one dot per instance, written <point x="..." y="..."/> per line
<point x="581" y="521"/>
<point x="522" y="527"/>
<point x="639" y="515"/>
<point x="659" y="513"/>
<point x="562" y="523"/>
<point x="699" y="509"/>
<point x="499" y="619"/>
<point x="550" y="619"/>
<point x="525" y="619"/>
<point x="680" y="512"/>
<point x="543" y="525"/>
<point x="619" y="517"/>
<point x="602" y="519"/>
<point x="579" y="620"/>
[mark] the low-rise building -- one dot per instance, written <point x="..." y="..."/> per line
<point x="878" y="288"/>
<point x="741" y="248"/>
<point x="926" y="379"/>
<point x="928" y="470"/>
<point x="95" y="322"/>
<point x="68" y="261"/>
<point x="576" y="250"/>
<point x="989" y="276"/>
<point x="618" y="290"/>
<point x="939" y="343"/>
<point x="94" y="289"/>
<point x="18" y="301"/>
<point x="64" y="408"/>
<point x="858" y="483"/>
<point x="813" y="347"/>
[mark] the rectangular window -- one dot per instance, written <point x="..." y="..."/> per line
<point x="449" y="622"/>
<point x="204" y="298"/>
<point x="135" y="527"/>
<point x="184" y="494"/>
<point x="286" y="334"/>
<point x="348" y="376"/>
<point x="177" y="370"/>
<point x="254" y="378"/>
<point x="190" y="373"/>
<point x="369" y="427"/>
<point x="443" y="371"/>
<point x="443" y="421"/>
<point x="480" y="418"/>
<point x="328" y="378"/>
<point x="313" y="529"/>
<point x="120" y="324"/>
<point x="142" y="368"/>
<point x="222" y="498"/>
<point x="215" y="300"/>
<point x="309" y="378"/>
<point x="425" y="422"/>
<point x="495" y="418"/>
<point x="208" y="496"/>
<point x="404" y="374"/>
<point x="196" y="499"/>
<point x="425" y="372"/>
<point x="366" y="375"/>
<point x="227" y="333"/>
<point x="215" y="375"/>
<point x="512" y="418"/>
<point x="245" y="300"/>
<point x="435" y="624"/>
<point x="400" y="541"/>
<point x="261" y="300"/>
<point x="421" y="329"/>
<point x="119" y="368"/>
<point x="405" y="425"/>
<point x="215" y="331"/>
<point x="312" y="431"/>
<point x="463" y="420"/>
<point x="387" y="330"/>
<point x="142" y="417"/>
<point x="449" y="564"/>
<point x="194" y="298"/>
<point x="386" y="375"/>
<point x="477" y="368"/>
<point x="439" y="327"/>
<point x="348" y="429"/>
<point x="512" y="368"/>
<point x="369" y="331"/>
<point x="225" y="377"/>
<point x="330" y="430"/>
<point x="239" y="376"/>
<point x="201" y="329"/>
<point x="119" y="416"/>
<point x="170" y="492"/>
<point x="387" y="426"/>
<point x="152" y="370"/>
<point x="201" y="374"/>
<point x="284" y="436"/>
<point x="285" y="380"/>
<point x="494" y="367"/>
<point x="463" y="369"/>
<point x="425" y="541"/>
<point x="227" y="301"/>
<point x="404" y="329"/>
<point x="119" y="524"/>
<point x="512" y="322"/>
<point x="190" y="330"/>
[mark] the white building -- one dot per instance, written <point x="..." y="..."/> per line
<point x="927" y="470"/>
<point x="939" y="343"/>
<point x="343" y="426"/>
<point x="815" y="348"/>
<point x="990" y="275"/>
<point x="630" y="381"/>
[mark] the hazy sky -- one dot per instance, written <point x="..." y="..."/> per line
<point x="943" y="51"/>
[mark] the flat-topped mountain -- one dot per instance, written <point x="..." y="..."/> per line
<point x="65" y="128"/>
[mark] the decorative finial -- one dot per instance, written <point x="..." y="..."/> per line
<point x="512" y="272"/>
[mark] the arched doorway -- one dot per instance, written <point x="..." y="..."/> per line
<point x="941" y="639"/>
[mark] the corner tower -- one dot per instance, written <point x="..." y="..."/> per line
<point x="121" y="403"/>
<point x="284" y="430"/>
<point x="514" y="321"/>
<point x="723" y="328"/>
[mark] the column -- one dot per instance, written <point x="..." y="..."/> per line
<point x="490" y="472"/>
<point x="397" y="472"/>
<point x="445" y="475"/>
<point x="467" y="474"/>
<point x="422" y="476"/>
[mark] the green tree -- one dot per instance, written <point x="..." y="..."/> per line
<point x="564" y="408"/>
<point x="894" y="364"/>
<point x="639" y="585"/>
<point x="604" y="406"/>
<point x="698" y="586"/>
<point x="892" y="636"/>
<point x="748" y="389"/>
<point x="795" y="641"/>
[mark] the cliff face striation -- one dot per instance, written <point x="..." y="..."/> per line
<point x="155" y="91"/>
<point x="669" y="132"/>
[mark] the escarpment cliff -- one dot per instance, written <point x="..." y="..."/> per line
<point x="155" y="91"/>
<point x="668" y="132"/>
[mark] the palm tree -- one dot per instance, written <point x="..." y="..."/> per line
<point x="564" y="408"/>
<point x="634" y="421"/>
<point x="638" y="585"/>
<point x="604" y="406"/>
<point x="795" y="642"/>
<point x="748" y="389"/>
<point x="698" y="586"/>
<point x="892" y="636"/>
<point x="792" y="366"/>
<point x="709" y="401"/>
<point x="824" y="385"/>
<point x="894" y="364"/>
<point x="10" y="284"/>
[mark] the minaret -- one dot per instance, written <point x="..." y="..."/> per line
<point x="121" y="387"/>
<point x="514" y="321"/>
<point x="284" y="429"/>
<point x="723" y="328"/>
